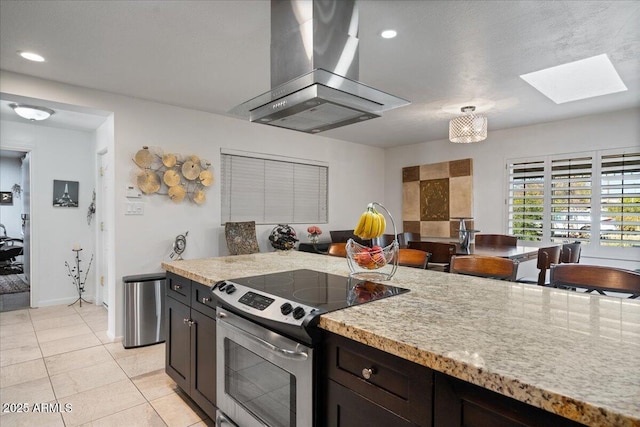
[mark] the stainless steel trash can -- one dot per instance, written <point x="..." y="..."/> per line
<point x="143" y="309"/>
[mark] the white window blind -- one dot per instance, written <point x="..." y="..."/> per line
<point x="571" y="199"/>
<point x="272" y="191"/>
<point x="620" y="199"/>
<point x="526" y="199"/>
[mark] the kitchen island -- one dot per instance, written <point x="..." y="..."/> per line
<point x="569" y="353"/>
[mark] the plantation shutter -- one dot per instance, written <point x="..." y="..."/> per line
<point x="571" y="199"/>
<point x="272" y="191"/>
<point x="526" y="199"/>
<point x="620" y="200"/>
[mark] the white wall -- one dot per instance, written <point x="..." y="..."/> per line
<point x="10" y="174"/>
<point x="56" y="154"/>
<point x="618" y="129"/>
<point x="142" y="242"/>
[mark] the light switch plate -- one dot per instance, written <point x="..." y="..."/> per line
<point x="133" y="192"/>
<point x="134" y="208"/>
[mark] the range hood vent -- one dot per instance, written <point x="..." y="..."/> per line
<point x="314" y="70"/>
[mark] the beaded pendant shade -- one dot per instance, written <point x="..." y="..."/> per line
<point x="468" y="128"/>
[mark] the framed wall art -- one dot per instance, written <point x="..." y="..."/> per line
<point x="6" y="198"/>
<point x="65" y="193"/>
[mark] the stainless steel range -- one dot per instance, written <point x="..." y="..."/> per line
<point x="266" y="338"/>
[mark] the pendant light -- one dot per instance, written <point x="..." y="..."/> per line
<point x="468" y="128"/>
<point x="32" y="112"/>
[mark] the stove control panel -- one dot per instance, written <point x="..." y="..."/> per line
<point x="263" y="305"/>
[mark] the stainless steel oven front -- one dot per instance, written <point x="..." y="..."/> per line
<point x="264" y="378"/>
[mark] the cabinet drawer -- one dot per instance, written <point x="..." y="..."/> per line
<point x="347" y="408"/>
<point x="179" y="288"/>
<point x="403" y="387"/>
<point x="202" y="300"/>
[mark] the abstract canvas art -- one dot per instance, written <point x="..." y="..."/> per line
<point x="434" y="194"/>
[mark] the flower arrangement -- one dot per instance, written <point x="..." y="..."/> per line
<point x="314" y="231"/>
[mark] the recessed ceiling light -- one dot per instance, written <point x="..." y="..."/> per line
<point x="388" y="34"/>
<point x="31" y="56"/>
<point x="577" y="80"/>
<point x="32" y="112"/>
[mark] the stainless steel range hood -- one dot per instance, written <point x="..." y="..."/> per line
<point x="314" y="70"/>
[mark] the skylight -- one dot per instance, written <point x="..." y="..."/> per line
<point x="586" y="78"/>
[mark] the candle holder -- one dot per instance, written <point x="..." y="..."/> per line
<point x="76" y="275"/>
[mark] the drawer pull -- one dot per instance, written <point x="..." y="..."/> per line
<point x="176" y="287"/>
<point x="368" y="372"/>
<point x="206" y="300"/>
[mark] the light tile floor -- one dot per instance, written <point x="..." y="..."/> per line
<point x="60" y="358"/>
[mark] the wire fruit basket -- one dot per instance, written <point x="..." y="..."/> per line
<point x="373" y="263"/>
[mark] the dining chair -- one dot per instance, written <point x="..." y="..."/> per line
<point x="496" y="240"/>
<point x="241" y="238"/>
<point x="485" y="266"/>
<point x="341" y="236"/>
<point x="384" y="240"/>
<point x="405" y="238"/>
<point x="571" y="253"/>
<point x="596" y="278"/>
<point x="546" y="258"/>
<point x="413" y="258"/>
<point x="441" y="253"/>
<point x="338" y="249"/>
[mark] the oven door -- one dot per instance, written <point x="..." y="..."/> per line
<point x="264" y="379"/>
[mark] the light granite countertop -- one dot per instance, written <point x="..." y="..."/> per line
<point x="570" y="353"/>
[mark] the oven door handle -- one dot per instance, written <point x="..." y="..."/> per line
<point x="291" y="354"/>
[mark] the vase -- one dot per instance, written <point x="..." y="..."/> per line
<point x="313" y="238"/>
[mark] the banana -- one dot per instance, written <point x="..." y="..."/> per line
<point x="371" y="222"/>
<point x="383" y="225"/>
<point x="375" y="231"/>
<point x="360" y="227"/>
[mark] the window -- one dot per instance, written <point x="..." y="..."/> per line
<point x="272" y="190"/>
<point x="620" y="200"/>
<point x="526" y="199"/>
<point x="590" y="197"/>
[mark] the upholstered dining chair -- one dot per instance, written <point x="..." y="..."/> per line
<point x="546" y="258"/>
<point x="485" y="266"/>
<point x="338" y="249"/>
<point x="441" y="253"/>
<point x="241" y="238"/>
<point x="596" y="278"/>
<point x="496" y="240"/>
<point x="413" y="258"/>
<point x="384" y="240"/>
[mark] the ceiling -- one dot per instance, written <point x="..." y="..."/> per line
<point x="214" y="55"/>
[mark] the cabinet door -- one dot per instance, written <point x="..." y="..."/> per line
<point x="178" y="343"/>
<point x="345" y="408"/>
<point x="203" y="362"/>
<point x="458" y="403"/>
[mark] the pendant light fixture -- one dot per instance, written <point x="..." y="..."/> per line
<point x="468" y="128"/>
<point x="32" y="112"/>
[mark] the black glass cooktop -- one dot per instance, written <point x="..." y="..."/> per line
<point x="323" y="291"/>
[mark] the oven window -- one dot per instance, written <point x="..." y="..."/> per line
<point x="261" y="387"/>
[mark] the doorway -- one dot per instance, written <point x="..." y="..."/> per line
<point x="15" y="231"/>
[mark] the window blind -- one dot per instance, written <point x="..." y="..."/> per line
<point x="620" y="200"/>
<point x="571" y="199"/>
<point x="271" y="191"/>
<point x="526" y="199"/>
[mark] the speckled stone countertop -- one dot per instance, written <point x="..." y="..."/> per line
<point x="573" y="354"/>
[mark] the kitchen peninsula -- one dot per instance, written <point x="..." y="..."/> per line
<point x="571" y="354"/>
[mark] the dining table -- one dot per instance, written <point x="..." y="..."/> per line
<point x="518" y="253"/>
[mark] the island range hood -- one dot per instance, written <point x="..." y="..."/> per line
<point x="314" y="70"/>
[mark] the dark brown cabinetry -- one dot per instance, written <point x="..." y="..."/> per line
<point x="459" y="403"/>
<point x="191" y="340"/>
<point x="401" y="393"/>
<point x="368" y="387"/>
